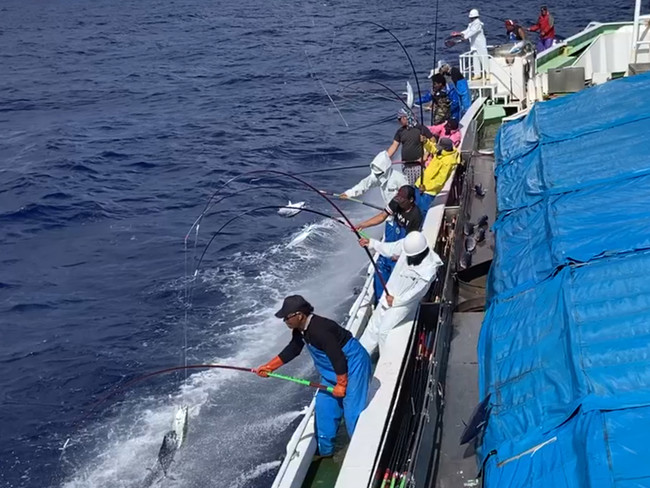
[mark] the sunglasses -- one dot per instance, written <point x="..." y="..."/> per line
<point x="290" y="316"/>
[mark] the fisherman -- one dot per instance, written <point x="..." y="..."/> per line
<point x="477" y="43"/>
<point x="408" y="217"/>
<point x="515" y="32"/>
<point x="449" y="130"/>
<point x="389" y="182"/>
<point x="340" y="360"/>
<point x="450" y="90"/>
<point x="462" y="89"/>
<point x="410" y="136"/>
<point x="546" y="27"/>
<point x="414" y="272"/>
<point x="403" y="208"/>
<point x="441" y="104"/>
<point x="444" y="160"/>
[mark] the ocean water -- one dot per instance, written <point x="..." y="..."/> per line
<point x="117" y="122"/>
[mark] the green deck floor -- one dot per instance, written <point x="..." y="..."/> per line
<point x="323" y="473"/>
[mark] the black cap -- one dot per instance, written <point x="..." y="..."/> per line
<point x="446" y="144"/>
<point x="293" y="304"/>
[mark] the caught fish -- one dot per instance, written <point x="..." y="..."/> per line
<point x="180" y="424"/>
<point x="477" y="421"/>
<point x="172" y="441"/>
<point x="291" y="209"/>
<point x="302" y="236"/>
<point x="468" y="229"/>
<point x="166" y="455"/>
<point x="478" y="189"/>
<point x="480" y="235"/>
<point x="167" y="450"/>
<point x="470" y="244"/>
<point x="466" y="261"/>
<point x="410" y="97"/>
<point x="483" y="221"/>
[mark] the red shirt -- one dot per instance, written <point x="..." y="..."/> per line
<point x="545" y="26"/>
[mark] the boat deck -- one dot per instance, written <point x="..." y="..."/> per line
<point x="457" y="466"/>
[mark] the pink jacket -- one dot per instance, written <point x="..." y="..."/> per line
<point x="439" y="131"/>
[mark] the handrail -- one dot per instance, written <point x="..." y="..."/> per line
<point x="486" y="69"/>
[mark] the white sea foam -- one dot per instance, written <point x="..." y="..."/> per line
<point x="239" y="423"/>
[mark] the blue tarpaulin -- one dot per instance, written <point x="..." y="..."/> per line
<point x="564" y="349"/>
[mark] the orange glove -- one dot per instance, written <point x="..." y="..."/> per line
<point x="269" y="367"/>
<point x="341" y="385"/>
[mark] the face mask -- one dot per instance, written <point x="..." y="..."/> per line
<point x="417" y="259"/>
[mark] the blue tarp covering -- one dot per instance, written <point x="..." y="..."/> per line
<point x="565" y="346"/>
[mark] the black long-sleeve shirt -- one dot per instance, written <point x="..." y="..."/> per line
<point x="323" y="334"/>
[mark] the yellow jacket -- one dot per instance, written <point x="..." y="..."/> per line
<point x="440" y="167"/>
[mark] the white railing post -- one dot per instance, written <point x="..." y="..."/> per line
<point x="635" y="32"/>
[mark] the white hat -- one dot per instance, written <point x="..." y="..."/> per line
<point x="473" y="13"/>
<point x="415" y="243"/>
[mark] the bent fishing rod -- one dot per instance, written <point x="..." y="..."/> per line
<point x="379" y="83"/>
<point x="268" y="207"/>
<point x="251" y="188"/>
<point x="415" y="74"/>
<point x="210" y="204"/>
<point x="244" y="369"/>
<point x="307" y="185"/>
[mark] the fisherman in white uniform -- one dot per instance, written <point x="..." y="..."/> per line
<point x="389" y="181"/>
<point x="414" y="272"/>
<point x="477" y="44"/>
<point x="382" y="175"/>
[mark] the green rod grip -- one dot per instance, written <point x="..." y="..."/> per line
<point x="301" y="381"/>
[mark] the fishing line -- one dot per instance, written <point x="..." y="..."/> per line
<point x="313" y="75"/>
<point x="372" y="124"/>
<point x="417" y="82"/>
<point x="395" y="94"/>
<point x="435" y="49"/>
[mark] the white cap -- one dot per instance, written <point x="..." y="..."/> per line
<point x="473" y="13"/>
<point x="415" y="243"/>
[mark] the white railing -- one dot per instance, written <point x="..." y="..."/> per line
<point x="492" y="74"/>
<point x="638" y="39"/>
<point x="471" y="60"/>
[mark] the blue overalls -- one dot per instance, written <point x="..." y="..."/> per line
<point x="330" y="409"/>
<point x="392" y="233"/>
<point x="423" y="201"/>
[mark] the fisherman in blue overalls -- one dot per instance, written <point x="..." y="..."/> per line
<point x="339" y="358"/>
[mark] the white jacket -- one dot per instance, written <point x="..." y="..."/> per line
<point x="474" y="33"/>
<point x="407" y="285"/>
<point x="389" y="182"/>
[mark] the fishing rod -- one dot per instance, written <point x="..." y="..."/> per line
<point x="210" y="204"/>
<point x="435" y="48"/>
<point x="269" y="207"/>
<point x="308" y="185"/>
<point x="139" y="379"/>
<point x="338" y="168"/>
<point x="351" y="199"/>
<point x="251" y="188"/>
<point x="415" y="74"/>
<point x="379" y="83"/>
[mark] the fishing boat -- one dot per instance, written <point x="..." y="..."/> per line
<point x="532" y="344"/>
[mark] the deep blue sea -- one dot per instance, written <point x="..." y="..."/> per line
<point x="118" y="119"/>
